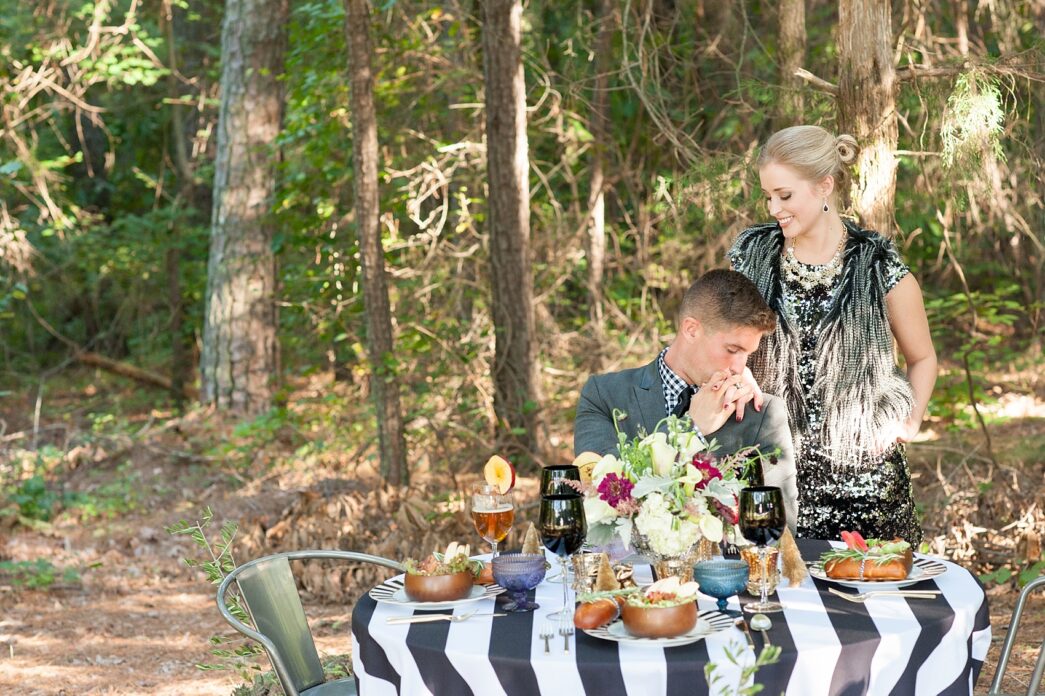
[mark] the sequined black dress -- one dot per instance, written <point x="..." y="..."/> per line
<point x="873" y="498"/>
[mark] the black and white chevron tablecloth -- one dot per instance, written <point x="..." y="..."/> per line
<point x="888" y="645"/>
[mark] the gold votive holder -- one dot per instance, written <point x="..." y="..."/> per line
<point x="680" y="566"/>
<point x="585" y="570"/>
<point x="754" y="580"/>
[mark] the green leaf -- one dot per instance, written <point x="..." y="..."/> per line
<point x="1030" y="573"/>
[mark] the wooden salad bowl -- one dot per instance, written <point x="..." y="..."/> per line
<point x="438" y="588"/>
<point x="659" y="622"/>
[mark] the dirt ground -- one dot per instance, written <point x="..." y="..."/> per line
<point x="137" y="621"/>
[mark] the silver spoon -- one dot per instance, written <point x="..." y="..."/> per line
<point x="761" y="622"/>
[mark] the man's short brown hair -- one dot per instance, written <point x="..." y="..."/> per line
<point x="722" y="299"/>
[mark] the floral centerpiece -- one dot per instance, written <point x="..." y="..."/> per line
<point x="668" y="487"/>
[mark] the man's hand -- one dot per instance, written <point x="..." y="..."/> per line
<point x="718" y="399"/>
<point x="741" y="398"/>
<point x="733" y="392"/>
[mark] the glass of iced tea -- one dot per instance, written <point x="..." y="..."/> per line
<point x="493" y="513"/>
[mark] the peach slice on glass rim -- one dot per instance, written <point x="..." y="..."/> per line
<point x="499" y="473"/>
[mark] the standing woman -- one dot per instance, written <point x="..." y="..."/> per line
<point x="842" y="294"/>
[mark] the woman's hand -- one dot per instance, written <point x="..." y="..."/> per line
<point x="715" y="401"/>
<point x="739" y="390"/>
<point x="722" y="396"/>
<point x="908" y="430"/>
<point x="900" y="431"/>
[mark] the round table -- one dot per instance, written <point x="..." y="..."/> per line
<point x="888" y="645"/>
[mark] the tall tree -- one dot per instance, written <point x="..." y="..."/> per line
<point x="516" y="392"/>
<point x="383" y="386"/>
<point x="867" y="105"/>
<point x="180" y="359"/>
<point x="792" y="57"/>
<point x="600" y="130"/>
<point x="240" y="358"/>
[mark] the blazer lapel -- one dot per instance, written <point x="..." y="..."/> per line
<point x="649" y="396"/>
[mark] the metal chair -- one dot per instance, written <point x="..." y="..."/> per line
<point x="267" y="585"/>
<point x="1010" y="640"/>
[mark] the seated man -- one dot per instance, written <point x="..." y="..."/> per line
<point x="720" y="323"/>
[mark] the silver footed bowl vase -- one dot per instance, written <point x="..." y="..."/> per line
<point x="640" y="543"/>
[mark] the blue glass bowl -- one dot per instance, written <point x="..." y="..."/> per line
<point x="721" y="578"/>
<point x="518" y="573"/>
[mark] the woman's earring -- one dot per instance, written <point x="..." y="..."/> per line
<point x="826" y="209"/>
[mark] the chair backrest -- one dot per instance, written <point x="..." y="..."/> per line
<point x="1010" y="640"/>
<point x="272" y="599"/>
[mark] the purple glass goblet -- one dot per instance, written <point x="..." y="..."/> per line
<point x="518" y="573"/>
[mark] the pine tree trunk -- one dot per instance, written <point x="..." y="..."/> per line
<point x="240" y="360"/>
<point x="596" y="241"/>
<point x="792" y="57"/>
<point x="516" y="395"/>
<point x="383" y="382"/>
<point x="867" y="106"/>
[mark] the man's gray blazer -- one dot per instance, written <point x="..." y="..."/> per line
<point x="639" y="392"/>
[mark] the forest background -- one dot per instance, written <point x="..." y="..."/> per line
<point x="310" y="263"/>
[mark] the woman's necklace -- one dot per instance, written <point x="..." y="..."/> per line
<point x="810" y="277"/>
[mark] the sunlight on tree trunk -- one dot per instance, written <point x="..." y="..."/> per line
<point x="596" y="251"/>
<point x="792" y="57"/>
<point x="240" y="359"/>
<point x="516" y="396"/>
<point x="384" y="382"/>
<point x="867" y="106"/>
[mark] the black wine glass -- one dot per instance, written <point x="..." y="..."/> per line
<point x="762" y="522"/>
<point x="553" y="477"/>
<point x="562" y="527"/>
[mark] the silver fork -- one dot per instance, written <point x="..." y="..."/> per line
<point x="428" y="618"/>
<point x="547" y="632"/>
<point x="861" y="598"/>
<point x="566" y="630"/>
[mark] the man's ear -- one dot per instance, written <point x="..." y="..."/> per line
<point x="692" y="328"/>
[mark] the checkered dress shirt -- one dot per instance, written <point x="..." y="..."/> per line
<point x="673" y="384"/>
<point x="673" y="388"/>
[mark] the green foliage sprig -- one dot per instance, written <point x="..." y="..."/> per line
<point x="458" y="564"/>
<point x="217" y="563"/>
<point x="746" y="684"/>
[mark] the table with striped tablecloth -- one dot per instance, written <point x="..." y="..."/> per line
<point x="888" y="645"/>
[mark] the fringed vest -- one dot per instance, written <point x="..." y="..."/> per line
<point x="857" y="380"/>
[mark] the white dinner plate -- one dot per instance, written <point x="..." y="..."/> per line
<point x="921" y="569"/>
<point x="391" y="592"/>
<point x="708" y="623"/>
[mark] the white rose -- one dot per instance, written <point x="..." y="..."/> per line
<point x="609" y="464"/>
<point x="597" y="510"/>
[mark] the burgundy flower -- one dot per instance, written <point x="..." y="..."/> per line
<point x="615" y="489"/>
<point x="705" y="463"/>
<point x="727" y="513"/>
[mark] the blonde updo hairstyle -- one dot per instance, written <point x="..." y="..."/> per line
<point x="814" y="154"/>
